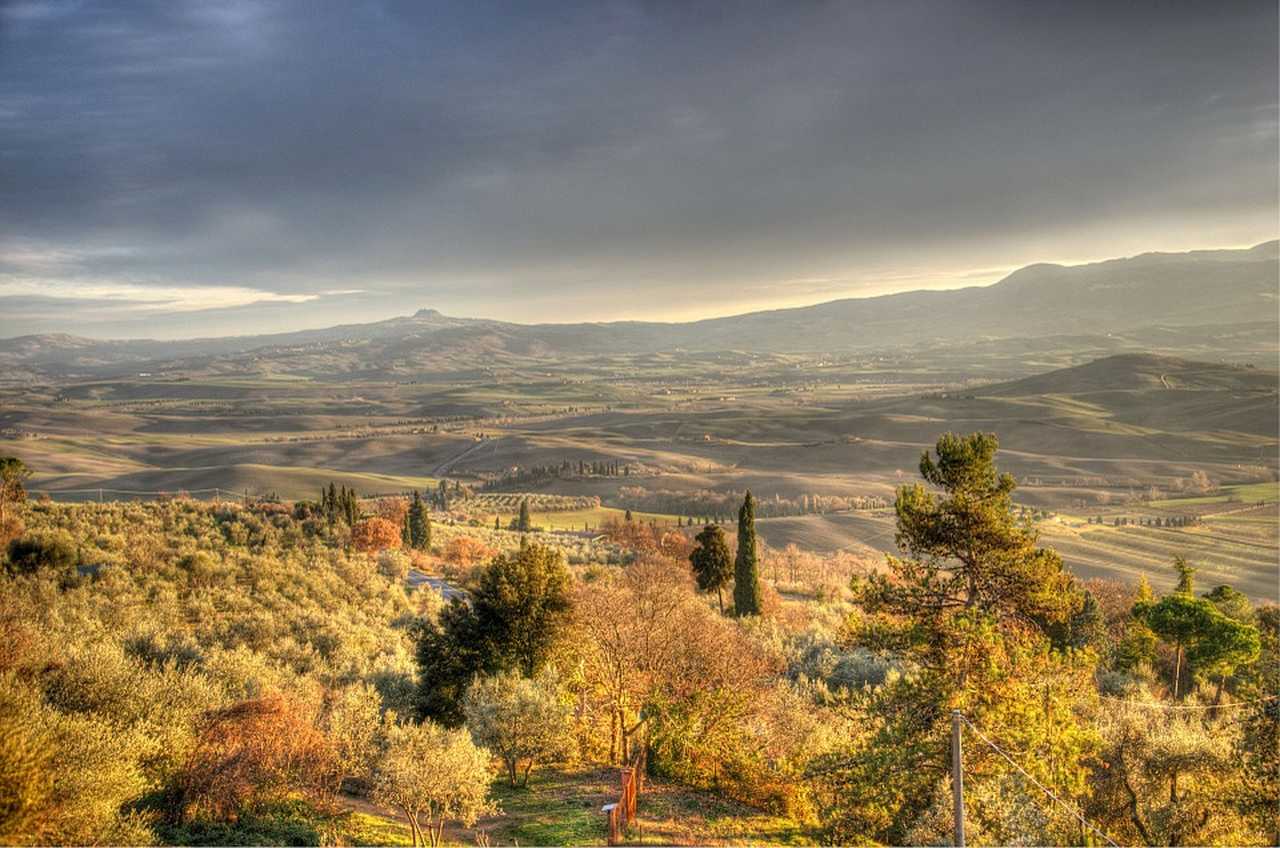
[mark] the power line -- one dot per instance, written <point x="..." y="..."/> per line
<point x="1068" y="807"/>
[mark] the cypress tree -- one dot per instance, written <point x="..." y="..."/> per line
<point x="746" y="582"/>
<point x="419" y="521"/>
<point x="523" y="523"/>
<point x="353" y="507"/>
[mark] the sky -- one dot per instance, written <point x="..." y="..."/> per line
<point x="172" y="169"/>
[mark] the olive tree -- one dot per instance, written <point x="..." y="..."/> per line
<point x="433" y="775"/>
<point x="523" y="721"/>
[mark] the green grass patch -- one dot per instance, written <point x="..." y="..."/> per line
<point x="366" y="829"/>
<point x="1245" y="493"/>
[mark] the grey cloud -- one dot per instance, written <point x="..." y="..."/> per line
<point x="500" y="159"/>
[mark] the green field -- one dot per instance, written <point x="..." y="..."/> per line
<point x="595" y="518"/>
<point x="1251" y="493"/>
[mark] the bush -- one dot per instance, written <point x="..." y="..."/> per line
<point x="48" y="549"/>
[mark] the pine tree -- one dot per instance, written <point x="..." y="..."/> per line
<point x="746" y="581"/>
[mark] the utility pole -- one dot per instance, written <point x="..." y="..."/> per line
<point x="957" y="776"/>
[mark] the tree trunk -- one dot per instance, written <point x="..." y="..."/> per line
<point x="720" y="598"/>
<point x="413" y="826"/>
<point x="614" y="721"/>
<point x="1177" y="672"/>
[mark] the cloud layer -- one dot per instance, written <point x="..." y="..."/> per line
<point x="245" y="166"/>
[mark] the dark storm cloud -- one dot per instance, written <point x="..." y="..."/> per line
<point x="555" y="160"/>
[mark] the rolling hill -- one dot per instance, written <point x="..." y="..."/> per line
<point x="1203" y="289"/>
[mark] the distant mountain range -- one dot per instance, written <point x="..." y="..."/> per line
<point x="1200" y="288"/>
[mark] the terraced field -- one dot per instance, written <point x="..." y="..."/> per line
<point x="1240" y="550"/>
<point x="1239" y="547"/>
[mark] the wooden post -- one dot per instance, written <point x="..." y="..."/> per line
<point x="957" y="777"/>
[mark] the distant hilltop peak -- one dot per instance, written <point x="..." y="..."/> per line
<point x="428" y="313"/>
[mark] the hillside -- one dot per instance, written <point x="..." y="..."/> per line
<point x="1132" y="372"/>
<point x="1197" y="289"/>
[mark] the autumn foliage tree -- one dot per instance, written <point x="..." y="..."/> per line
<point x="375" y="534"/>
<point x="466" y="551"/>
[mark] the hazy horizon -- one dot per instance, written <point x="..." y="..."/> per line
<point x="730" y="308"/>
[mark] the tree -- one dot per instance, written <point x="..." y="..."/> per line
<point x="374" y="534"/>
<point x="1256" y="748"/>
<point x="524" y="721"/>
<point x="712" y="565"/>
<point x="523" y="523"/>
<point x="966" y="548"/>
<point x="26" y="775"/>
<point x="516" y="620"/>
<point x="450" y="653"/>
<point x="966" y="610"/>
<point x="1167" y="779"/>
<point x="466" y="551"/>
<point x="1136" y="648"/>
<point x="1186" y="576"/>
<point x="433" y="775"/>
<point x="522" y="605"/>
<point x="13" y="476"/>
<point x="658" y="657"/>
<point x="419" y="524"/>
<point x="1202" y="636"/>
<point x="746" y="580"/>
<point x="353" y="725"/>
<point x="1231" y="603"/>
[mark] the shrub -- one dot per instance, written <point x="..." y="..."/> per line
<point x="251" y="753"/>
<point x="43" y="549"/>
